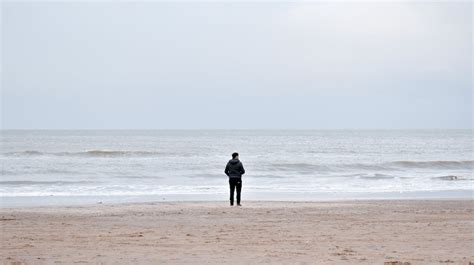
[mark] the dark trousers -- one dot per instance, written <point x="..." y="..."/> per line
<point x="235" y="184"/>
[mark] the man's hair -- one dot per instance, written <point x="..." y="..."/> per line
<point x="234" y="155"/>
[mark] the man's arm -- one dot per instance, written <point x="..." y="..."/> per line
<point x="242" y="170"/>
<point x="226" y="170"/>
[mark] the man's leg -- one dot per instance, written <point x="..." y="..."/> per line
<point x="232" y="188"/>
<point x="239" y="189"/>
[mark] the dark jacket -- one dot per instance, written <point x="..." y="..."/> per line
<point x="234" y="169"/>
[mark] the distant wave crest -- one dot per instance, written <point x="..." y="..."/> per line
<point x="90" y="153"/>
<point x="24" y="153"/>
<point x="119" y="153"/>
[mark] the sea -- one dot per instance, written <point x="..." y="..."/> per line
<point x="70" y="167"/>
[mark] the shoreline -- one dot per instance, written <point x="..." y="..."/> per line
<point x="260" y="232"/>
<point x="51" y="201"/>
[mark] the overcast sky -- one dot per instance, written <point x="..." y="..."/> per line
<point x="155" y="65"/>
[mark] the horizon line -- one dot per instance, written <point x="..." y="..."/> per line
<point x="235" y="129"/>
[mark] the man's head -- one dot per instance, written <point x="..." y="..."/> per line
<point x="235" y="156"/>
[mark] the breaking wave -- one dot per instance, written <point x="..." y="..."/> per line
<point x="435" y="164"/>
<point x="388" y="166"/>
<point x="452" y="178"/>
<point x="58" y="183"/>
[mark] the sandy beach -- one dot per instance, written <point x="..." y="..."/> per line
<point x="349" y="232"/>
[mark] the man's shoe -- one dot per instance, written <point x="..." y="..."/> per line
<point x="238" y="204"/>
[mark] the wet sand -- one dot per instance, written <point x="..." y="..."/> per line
<point x="349" y="232"/>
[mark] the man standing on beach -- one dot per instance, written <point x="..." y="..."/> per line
<point x="234" y="170"/>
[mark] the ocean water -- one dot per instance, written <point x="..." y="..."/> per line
<point x="189" y="164"/>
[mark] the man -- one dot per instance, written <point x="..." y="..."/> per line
<point x="234" y="170"/>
